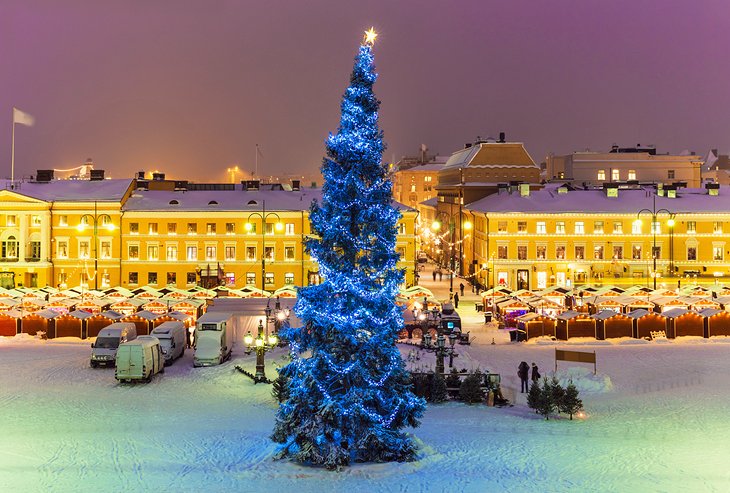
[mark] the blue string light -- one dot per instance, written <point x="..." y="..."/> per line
<point x="349" y="392"/>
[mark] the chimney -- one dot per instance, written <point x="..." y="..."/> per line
<point x="250" y="185"/>
<point x="501" y="138"/>
<point x="96" y="175"/>
<point x="158" y="176"/>
<point x="140" y="175"/>
<point x="467" y="145"/>
<point x="295" y="185"/>
<point x="181" y="185"/>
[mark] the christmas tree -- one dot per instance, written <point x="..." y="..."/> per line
<point x="439" y="392"/>
<point x="534" y="395"/>
<point x="349" y="392"/>
<point x="470" y="390"/>
<point x="571" y="404"/>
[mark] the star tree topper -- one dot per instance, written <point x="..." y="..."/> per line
<point x="370" y="36"/>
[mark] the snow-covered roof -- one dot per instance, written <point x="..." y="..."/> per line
<point x="497" y="154"/>
<point x="227" y="200"/>
<point x="71" y="190"/>
<point x="596" y="201"/>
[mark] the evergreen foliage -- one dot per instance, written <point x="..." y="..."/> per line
<point x="438" y="388"/>
<point x="471" y="390"/>
<point x="280" y="388"/>
<point x="556" y="392"/>
<point x="453" y="381"/>
<point x="350" y="394"/>
<point x="571" y="404"/>
<point x="534" y="395"/>
<point x="545" y="404"/>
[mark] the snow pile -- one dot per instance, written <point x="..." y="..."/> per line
<point x="584" y="380"/>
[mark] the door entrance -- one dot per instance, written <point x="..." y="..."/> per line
<point x="523" y="279"/>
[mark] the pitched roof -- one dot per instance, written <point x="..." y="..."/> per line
<point x="495" y="154"/>
<point x="71" y="190"/>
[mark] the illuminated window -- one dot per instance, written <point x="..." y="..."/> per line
<point x="601" y="175"/>
<point x="172" y="228"/>
<point x="541" y="229"/>
<point x="250" y="253"/>
<point x="618" y="252"/>
<point x="541" y="252"/>
<point x="598" y="252"/>
<point x="192" y="253"/>
<point x="656" y="227"/>
<point x="289" y="253"/>
<point x="269" y="278"/>
<point x="106" y="249"/>
<point x="598" y="228"/>
<point x="579" y="228"/>
<point x="63" y="220"/>
<point x="210" y="228"/>
<point x="717" y="227"/>
<point x="615" y="176"/>
<point x="717" y="252"/>
<point x="152" y="278"/>
<point x="560" y="227"/>
<point x="502" y="252"/>
<point x="230" y="252"/>
<point x="133" y="228"/>
<point x="62" y="251"/>
<point x="636" y="252"/>
<point x="289" y="228"/>
<point x="35" y="220"/>
<point x="153" y="228"/>
<point x="691" y="227"/>
<point x="269" y="253"/>
<point x="133" y="252"/>
<point x="210" y="252"/>
<point x="521" y="252"/>
<point x="522" y="227"/>
<point x="580" y="252"/>
<point x="502" y="226"/>
<point x="153" y="252"/>
<point x="250" y="279"/>
<point x="618" y="227"/>
<point x="192" y="228"/>
<point x="133" y="278"/>
<point x="230" y="228"/>
<point x="288" y="278"/>
<point x="560" y="252"/>
<point x="171" y="252"/>
<point x="83" y="249"/>
<point x="632" y="174"/>
<point x="636" y="227"/>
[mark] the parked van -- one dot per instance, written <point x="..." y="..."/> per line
<point x="213" y="338"/>
<point x="104" y="349"/>
<point x="172" y="340"/>
<point x="139" y="359"/>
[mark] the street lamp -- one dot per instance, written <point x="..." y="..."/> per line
<point x="106" y="221"/>
<point x="654" y="212"/>
<point x="440" y="348"/>
<point x="263" y="343"/>
<point x="278" y="226"/>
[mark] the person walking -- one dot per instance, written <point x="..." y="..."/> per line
<point x="456" y="300"/>
<point x="461" y="289"/>
<point x="434" y="275"/>
<point x="535" y="373"/>
<point x="441" y="275"/>
<point x="523" y="372"/>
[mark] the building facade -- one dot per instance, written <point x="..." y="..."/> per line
<point x="134" y="233"/>
<point x="559" y="236"/>
<point x="625" y="164"/>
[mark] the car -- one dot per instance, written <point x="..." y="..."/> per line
<point x="422" y="257"/>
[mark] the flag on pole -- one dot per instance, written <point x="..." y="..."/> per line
<point x="22" y="118"/>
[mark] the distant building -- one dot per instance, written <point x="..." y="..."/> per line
<point x="716" y="168"/>
<point x="476" y="171"/>
<point x="625" y="164"/>
<point x="102" y="233"/>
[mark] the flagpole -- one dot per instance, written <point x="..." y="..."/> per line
<point x="12" y="152"/>
<point x="257" y="160"/>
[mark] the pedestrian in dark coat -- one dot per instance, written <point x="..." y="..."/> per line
<point x="441" y="275"/>
<point x="434" y="275"/>
<point x="456" y="300"/>
<point x="523" y="372"/>
<point x="461" y="288"/>
<point x="535" y="373"/>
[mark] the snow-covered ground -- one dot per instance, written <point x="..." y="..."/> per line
<point x="658" y="419"/>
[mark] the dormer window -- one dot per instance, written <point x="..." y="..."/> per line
<point x="174" y="202"/>
<point x="212" y="202"/>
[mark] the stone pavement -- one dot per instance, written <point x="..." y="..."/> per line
<point x="471" y="320"/>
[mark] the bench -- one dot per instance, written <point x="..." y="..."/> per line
<point x="658" y="334"/>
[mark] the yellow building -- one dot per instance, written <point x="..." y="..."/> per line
<point x="133" y="233"/>
<point x="526" y="239"/>
<point x="54" y="232"/>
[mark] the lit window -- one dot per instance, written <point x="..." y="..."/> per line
<point x="35" y="220"/>
<point x="133" y="252"/>
<point x="601" y="175"/>
<point x="171" y="252"/>
<point x="691" y="227"/>
<point x="269" y="278"/>
<point x="717" y="227"/>
<point x="618" y="252"/>
<point x="560" y="252"/>
<point x="522" y="227"/>
<point x="171" y="228"/>
<point x="502" y="226"/>
<point x="192" y="228"/>
<point x="230" y="252"/>
<point x="560" y="227"/>
<point x="598" y="252"/>
<point x="250" y="253"/>
<point x="632" y="174"/>
<point x="289" y="253"/>
<point x="502" y="252"/>
<point x="83" y="249"/>
<point x="250" y="279"/>
<point x="106" y="249"/>
<point x="541" y="252"/>
<point x="636" y="252"/>
<point x="636" y="227"/>
<point x="210" y="252"/>
<point x="541" y="229"/>
<point x="579" y="228"/>
<point x="615" y="176"/>
<point x="598" y="228"/>
<point x="210" y="228"/>
<point x="521" y="252"/>
<point x="153" y="228"/>
<point x="289" y="228"/>
<point x="288" y="278"/>
<point x="63" y="220"/>
<point x="230" y="228"/>
<point x="580" y="252"/>
<point x="152" y="252"/>
<point x="656" y="227"/>
<point x="717" y="252"/>
<point x="192" y="253"/>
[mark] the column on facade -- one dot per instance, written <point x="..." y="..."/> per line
<point x="22" y="236"/>
<point x="45" y="236"/>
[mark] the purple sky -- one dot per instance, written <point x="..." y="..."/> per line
<point x="190" y="87"/>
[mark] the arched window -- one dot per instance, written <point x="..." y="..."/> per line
<point x="10" y="248"/>
<point x="174" y="202"/>
<point x="252" y="202"/>
<point x="212" y="202"/>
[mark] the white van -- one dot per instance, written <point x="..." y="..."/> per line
<point x="213" y="338"/>
<point x="139" y="359"/>
<point x="104" y="349"/>
<point x="172" y="339"/>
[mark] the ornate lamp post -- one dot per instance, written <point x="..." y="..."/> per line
<point x="278" y="226"/>
<point x="263" y="342"/>
<point x="440" y="349"/>
<point x="94" y="219"/>
<point x="654" y="212"/>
